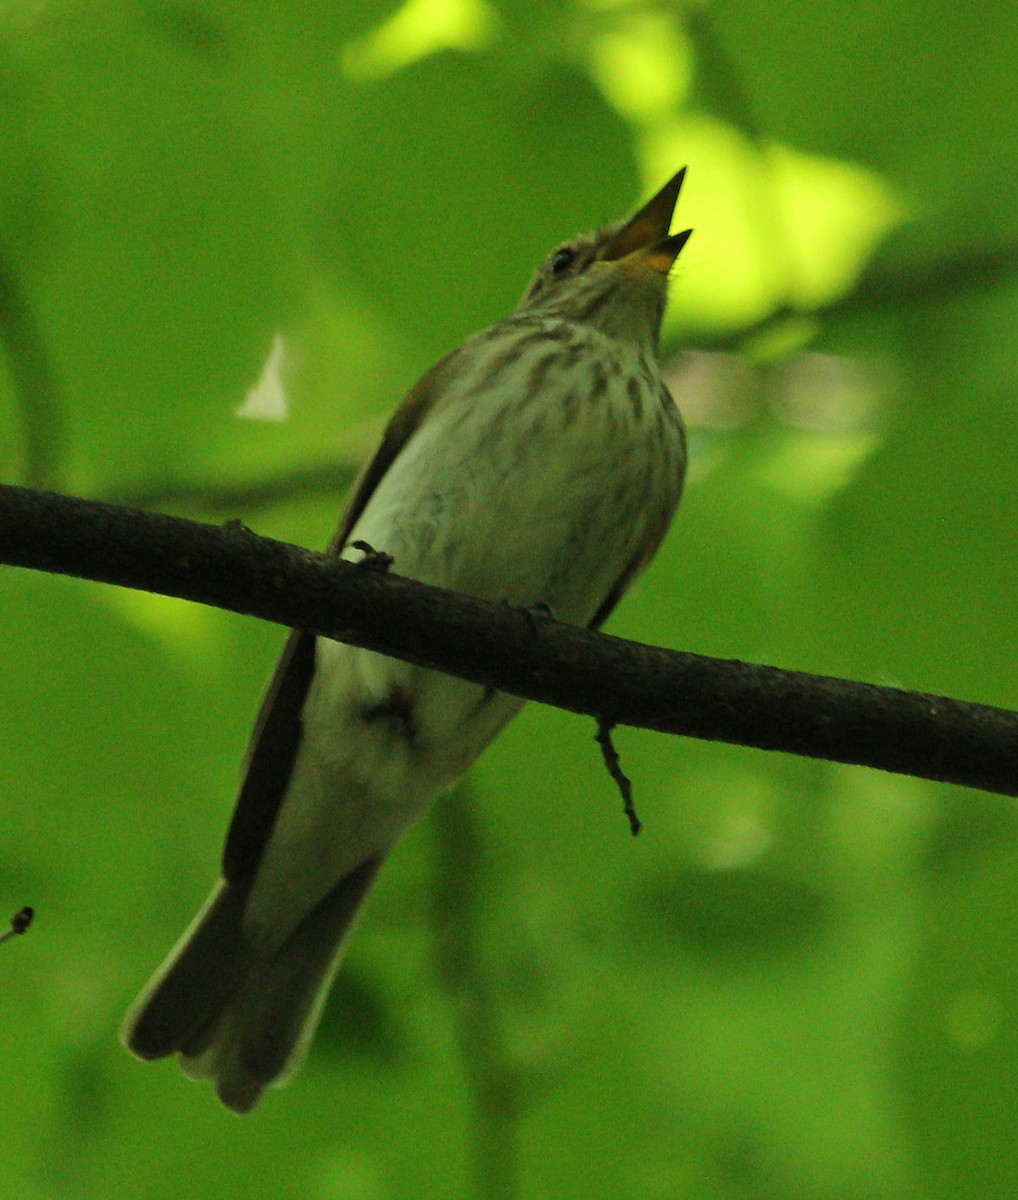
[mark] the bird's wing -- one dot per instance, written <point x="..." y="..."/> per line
<point x="621" y="586"/>
<point x="275" y="741"/>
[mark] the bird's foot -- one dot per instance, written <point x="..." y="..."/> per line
<point x="373" y="560"/>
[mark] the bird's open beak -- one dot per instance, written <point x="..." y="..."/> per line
<point x="645" y="239"/>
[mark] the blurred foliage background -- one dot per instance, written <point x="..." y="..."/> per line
<point x="231" y="236"/>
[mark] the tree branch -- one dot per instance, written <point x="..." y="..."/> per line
<point x="617" y="681"/>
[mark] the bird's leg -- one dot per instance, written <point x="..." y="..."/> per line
<point x="374" y="560"/>
<point x="533" y="610"/>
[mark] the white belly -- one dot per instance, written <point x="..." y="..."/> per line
<point x="537" y="497"/>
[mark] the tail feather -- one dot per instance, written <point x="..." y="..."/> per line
<point x="237" y="1017"/>
<point x="195" y="981"/>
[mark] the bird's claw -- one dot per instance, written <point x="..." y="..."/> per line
<point x="539" y="608"/>
<point x="374" y="560"/>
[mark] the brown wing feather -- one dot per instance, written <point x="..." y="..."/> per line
<point x="618" y="591"/>
<point x="272" y="750"/>
<point x="628" y="577"/>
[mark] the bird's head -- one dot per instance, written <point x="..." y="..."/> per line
<point x="616" y="278"/>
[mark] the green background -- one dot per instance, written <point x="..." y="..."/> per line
<point x="802" y="979"/>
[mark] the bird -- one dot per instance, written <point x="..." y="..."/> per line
<point x="539" y="464"/>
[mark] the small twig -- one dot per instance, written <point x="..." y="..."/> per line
<point x="612" y="762"/>
<point x="19" y="924"/>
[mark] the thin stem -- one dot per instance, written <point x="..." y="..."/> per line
<point x="614" y="766"/>
<point x="491" y="1075"/>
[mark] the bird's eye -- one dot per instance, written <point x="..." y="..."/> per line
<point x="561" y="261"/>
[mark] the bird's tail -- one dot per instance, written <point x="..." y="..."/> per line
<point x="241" y="1017"/>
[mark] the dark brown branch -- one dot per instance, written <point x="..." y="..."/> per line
<point x="618" y="681"/>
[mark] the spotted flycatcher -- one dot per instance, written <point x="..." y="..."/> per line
<point x="539" y="463"/>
